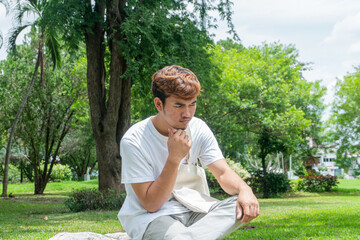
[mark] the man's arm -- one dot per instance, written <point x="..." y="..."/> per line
<point x="153" y="195"/>
<point x="247" y="203"/>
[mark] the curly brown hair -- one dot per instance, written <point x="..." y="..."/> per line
<point x="176" y="80"/>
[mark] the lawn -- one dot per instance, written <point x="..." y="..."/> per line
<point x="333" y="215"/>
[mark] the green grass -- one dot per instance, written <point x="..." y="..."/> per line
<point x="333" y="215"/>
<point x="41" y="217"/>
<point x="348" y="185"/>
<point x="306" y="216"/>
<point x="65" y="186"/>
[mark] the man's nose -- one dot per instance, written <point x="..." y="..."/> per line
<point x="186" y="112"/>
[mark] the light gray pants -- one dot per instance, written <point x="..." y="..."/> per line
<point x="216" y="224"/>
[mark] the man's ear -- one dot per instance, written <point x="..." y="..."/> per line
<point x="158" y="104"/>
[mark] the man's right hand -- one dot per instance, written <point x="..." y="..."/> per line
<point x="179" y="145"/>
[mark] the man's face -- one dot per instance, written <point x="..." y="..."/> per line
<point x="178" y="112"/>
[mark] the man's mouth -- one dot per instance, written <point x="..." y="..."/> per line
<point x="185" y="120"/>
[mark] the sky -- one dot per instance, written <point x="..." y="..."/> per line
<point x="325" y="32"/>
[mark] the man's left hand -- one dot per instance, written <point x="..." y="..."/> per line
<point x="247" y="207"/>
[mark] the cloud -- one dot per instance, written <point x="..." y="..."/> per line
<point x="347" y="28"/>
<point x="250" y="38"/>
<point x="290" y="12"/>
<point x="354" y="48"/>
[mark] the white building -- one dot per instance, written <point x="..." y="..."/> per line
<point x="327" y="164"/>
<point x="326" y="161"/>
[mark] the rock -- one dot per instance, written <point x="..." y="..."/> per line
<point x="90" y="236"/>
<point x="118" y="235"/>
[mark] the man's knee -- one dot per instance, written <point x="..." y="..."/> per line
<point x="226" y="203"/>
<point x="164" y="227"/>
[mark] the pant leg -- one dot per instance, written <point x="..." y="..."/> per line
<point x="165" y="227"/>
<point x="218" y="223"/>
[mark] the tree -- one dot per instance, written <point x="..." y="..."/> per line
<point x="7" y="7"/>
<point x="126" y="41"/>
<point x="78" y="150"/>
<point x="345" y="119"/>
<point x="261" y="90"/>
<point x="10" y="98"/>
<point x="49" y="112"/>
<point x="46" y="37"/>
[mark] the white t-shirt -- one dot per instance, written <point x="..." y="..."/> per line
<point x="144" y="153"/>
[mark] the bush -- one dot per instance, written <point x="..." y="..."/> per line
<point x="356" y="172"/>
<point x="214" y="186"/>
<point x="13" y="174"/>
<point x="93" y="199"/>
<point x="300" y="172"/>
<point x="61" y="172"/>
<point x="313" y="182"/>
<point x="276" y="182"/>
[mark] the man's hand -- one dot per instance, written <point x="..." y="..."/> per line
<point x="179" y="145"/>
<point x="247" y="207"/>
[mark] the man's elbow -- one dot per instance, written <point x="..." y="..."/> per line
<point x="151" y="208"/>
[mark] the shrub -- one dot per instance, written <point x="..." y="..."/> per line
<point x="276" y="182"/>
<point x="13" y="174"/>
<point x="61" y="172"/>
<point x="356" y="172"/>
<point x="322" y="169"/>
<point x="93" y="199"/>
<point x="300" y="172"/>
<point x="214" y="186"/>
<point x="313" y="182"/>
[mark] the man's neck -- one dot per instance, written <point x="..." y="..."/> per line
<point x="160" y="125"/>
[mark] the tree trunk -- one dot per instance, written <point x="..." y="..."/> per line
<point x="42" y="179"/>
<point x="17" y="117"/>
<point x="286" y="169"/>
<point x="264" y="182"/>
<point x="110" y="117"/>
<point x="39" y="186"/>
<point x="21" y="170"/>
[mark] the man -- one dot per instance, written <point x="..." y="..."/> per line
<point x="152" y="151"/>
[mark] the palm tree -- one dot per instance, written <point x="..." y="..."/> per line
<point x="47" y="38"/>
<point x="6" y="4"/>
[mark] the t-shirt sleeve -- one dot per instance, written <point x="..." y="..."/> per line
<point x="210" y="150"/>
<point x="135" y="167"/>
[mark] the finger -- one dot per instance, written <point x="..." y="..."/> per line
<point x="177" y="132"/>
<point x="239" y="211"/>
<point x="171" y="133"/>
<point x="246" y="216"/>
<point x="189" y="143"/>
<point x="182" y="133"/>
<point x="256" y="208"/>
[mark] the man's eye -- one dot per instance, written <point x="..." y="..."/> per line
<point x="177" y="106"/>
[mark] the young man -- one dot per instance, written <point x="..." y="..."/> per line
<point x="152" y="152"/>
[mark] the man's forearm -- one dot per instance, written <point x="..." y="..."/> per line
<point x="232" y="183"/>
<point x="227" y="178"/>
<point x="159" y="191"/>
